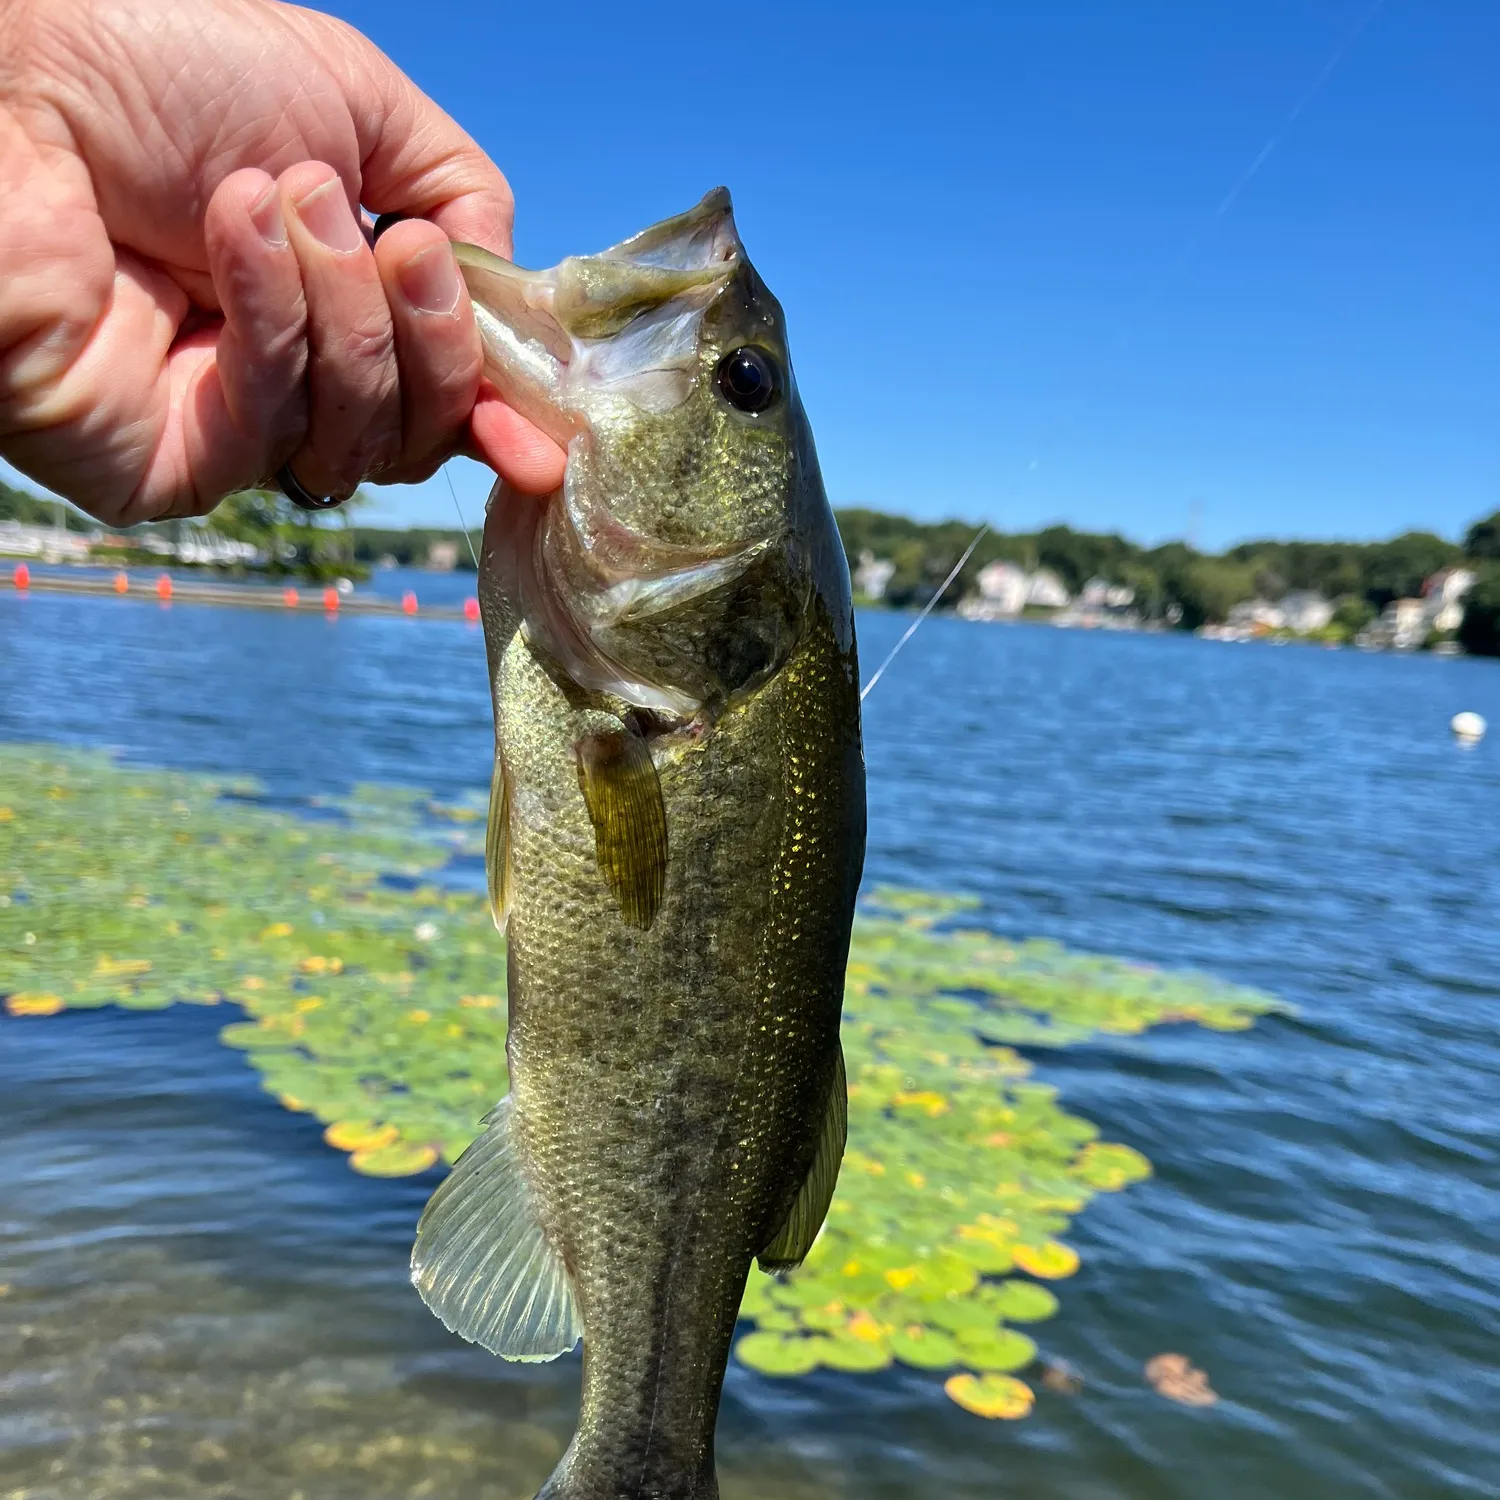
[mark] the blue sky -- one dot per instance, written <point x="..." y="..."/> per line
<point x="979" y="219"/>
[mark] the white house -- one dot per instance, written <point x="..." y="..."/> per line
<point x="1045" y="590"/>
<point x="873" y="575"/>
<point x="1443" y="598"/>
<point x="202" y="545"/>
<point x="1003" y="588"/>
<point x="1255" y="615"/>
<point x="1404" y="623"/>
<point x="1100" y="594"/>
<point x="1305" y="611"/>
<point x="50" y="543"/>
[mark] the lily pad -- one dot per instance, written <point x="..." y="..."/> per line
<point x="1003" y="1350"/>
<point x="1022" y="1301"/>
<point x="1000" y="1396"/>
<point x="369" y="995"/>
<point x="1051" y="1260"/>
<point x="778" y="1353"/>
<point x="399" y="1160"/>
<point x="926" y="1348"/>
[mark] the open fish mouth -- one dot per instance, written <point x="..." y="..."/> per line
<point x="624" y="320"/>
<point x="594" y="351"/>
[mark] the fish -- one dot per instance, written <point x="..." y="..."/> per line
<point x="674" y="846"/>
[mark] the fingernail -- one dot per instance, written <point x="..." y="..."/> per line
<point x="430" y="281"/>
<point x="325" y="212"/>
<point x="265" y="214"/>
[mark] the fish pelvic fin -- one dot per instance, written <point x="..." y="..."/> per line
<point x="482" y="1261"/>
<point x="623" y="795"/>
<point x="497" y="844"/>
<point x="796" y="1236"/>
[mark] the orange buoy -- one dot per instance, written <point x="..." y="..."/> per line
<point x="331" y="600"/>
<point x="23" y="576"/>
<point x="122" y="583"/>
<point x="471" y="608"/>
<point x="289" y="598"/>
<point x="408" y="603"/>
<point x="164" y="588"/>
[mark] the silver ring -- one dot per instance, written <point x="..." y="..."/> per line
<point x="300" y="496"/>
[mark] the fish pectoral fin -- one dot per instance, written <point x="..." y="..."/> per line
<point x="623" y="795"/>
<point x="497" y="844"/>
<point x="482" y="1261"/>
<point x="796" y="1236"/>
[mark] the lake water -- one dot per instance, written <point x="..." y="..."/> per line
<point x="204" y="1301"/>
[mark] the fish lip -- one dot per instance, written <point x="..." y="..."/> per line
<point x="545" y="334"/>
<point x="708" y="223"/>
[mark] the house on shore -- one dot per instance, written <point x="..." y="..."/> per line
<point x="1006" y="590"/>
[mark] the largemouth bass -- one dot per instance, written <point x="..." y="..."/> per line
<point x="676" y="833"/>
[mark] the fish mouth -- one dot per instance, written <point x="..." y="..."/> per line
<point x="624" y="319"/>
<point x="624" y="322"/>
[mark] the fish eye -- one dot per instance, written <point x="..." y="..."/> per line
<point x="748" y="379"/>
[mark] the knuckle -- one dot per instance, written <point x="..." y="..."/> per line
<point x="365" y="344"/>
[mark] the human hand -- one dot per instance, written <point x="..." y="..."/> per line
<point x="187" y="298"/>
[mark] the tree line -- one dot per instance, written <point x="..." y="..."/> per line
<point x="1172" y="582"/>
<point x="1176" y="582"/>
<point x="291" y="542"/>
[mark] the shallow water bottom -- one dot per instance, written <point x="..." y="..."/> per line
<point x="203" y="1301"/>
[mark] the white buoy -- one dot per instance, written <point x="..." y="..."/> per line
<point x="1469" y="727"/>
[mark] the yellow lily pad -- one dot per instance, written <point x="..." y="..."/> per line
<point x="1109" y="1167"/>
<point x="1051" y="1260"/>
<point x="995" y="1396"/>
<point x="403" y="1159"/>
<point x="34" y="1003"/>
<point x="118" y="968"/>
<point x="360" y="1135"/>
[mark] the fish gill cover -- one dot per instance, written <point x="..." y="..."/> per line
<point x="375" y="1002"/>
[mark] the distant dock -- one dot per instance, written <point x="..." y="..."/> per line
<point x="162" y="588"/>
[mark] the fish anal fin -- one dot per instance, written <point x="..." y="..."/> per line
<point x="482" y="1260"/>
<point x="497" y="844"/>
<point x="795" y="1237"/>
<point x="623" y="795"/>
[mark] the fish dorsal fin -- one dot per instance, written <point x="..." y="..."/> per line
<point x="623" y="795"/>
<point x="482" y="1261"/>
<point x="497" y="844"/>
<point x="796" y="1236"/>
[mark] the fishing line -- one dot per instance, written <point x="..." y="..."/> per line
<point x="911" y="629"/>
<point x="467" y="537"/>
<point x="1154" y="294"/>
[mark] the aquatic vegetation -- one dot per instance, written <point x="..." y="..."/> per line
<point x="372" y="988"/>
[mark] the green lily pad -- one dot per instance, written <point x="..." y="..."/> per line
<point x="1003" y="1350"/>
<point x="1022" y="1301"/>
<point x="926" y="1348"/>
<point x="778" y="1354"/>
<point x="375" y="1007"/>
<point x="854" y="1355"/>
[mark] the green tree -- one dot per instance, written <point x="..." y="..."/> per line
<point x="292" y="542"/>
<point x="32" y="510"/>
<point x="1483" y="538"/>
<point x="1397" y="569"/>
<point x="1479" y="634"/>
<point x="1354" y="612"/>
